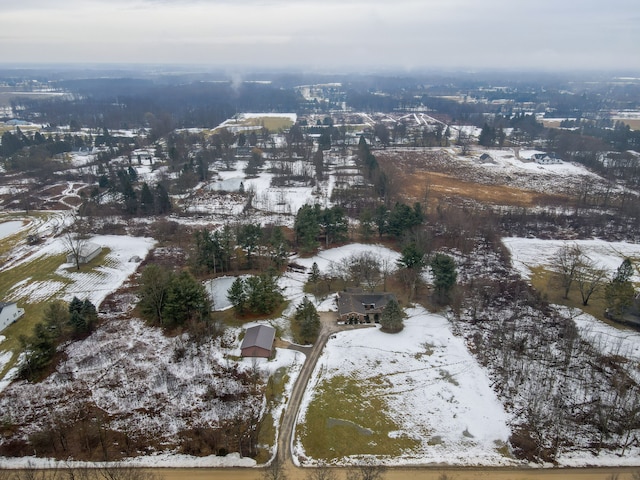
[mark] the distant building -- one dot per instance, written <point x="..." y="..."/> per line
<point x="358" y="307"/>
<point x="546" y="158"/>
<point x="88" y="252"/>
<point x="9" y="313"/>
<point x="486" y="158"/>
<point x="258" y="341"/>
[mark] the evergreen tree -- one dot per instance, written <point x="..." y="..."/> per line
<point x="162" y="201"/>
<point x="335" y="224"/>
<point x="308" y="320"/>
<point x="315" y="273"/>
<point x="619" y="293"/>
<point x="147" y="202"/>
<point x="487" y="136"/>
<point x="279" y="247"/>
<point x="307" y="227"/>
<point x="187" y="299"/>
<point x="444" y="273"/>
<point x="82" y="316"/>
<point x="248" y="237"/>
<point x="392" y="317"/>
<point x="237" y="295"/>
<point x="411" y="263"/>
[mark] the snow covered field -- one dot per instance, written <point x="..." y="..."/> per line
<point x="531" y="252"/>
<point x="95" y="285"/>
<point x="527" y="253"/>
<point x="436" y="391"/>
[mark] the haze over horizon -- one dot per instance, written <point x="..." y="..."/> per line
<point x="348" y="35"/>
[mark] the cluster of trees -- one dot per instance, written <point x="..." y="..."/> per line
<point x="61" y="321"/>
<point x="14" y="142"/>
<point x="244" y="246"/>
<point x="256" y="294"/>
<point x="574" y="268"/>
<point x="101" y="471"/>
<point x="138" y="198"/>
<point x="491" y="136"/>
<point x="314" y="222"/>
<point x="399" y="220"/>
<point x="172" y="299"/>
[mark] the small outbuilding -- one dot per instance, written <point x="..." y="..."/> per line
<point x="258" y="341"/>
<point x="88" y="252"/>
<point x="9" y="313"/>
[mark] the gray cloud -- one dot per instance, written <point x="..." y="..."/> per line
<point x="547" y="34"/>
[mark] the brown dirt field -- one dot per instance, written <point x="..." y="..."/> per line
<point x="441" y="186"/>
<point x="437" y="175"/>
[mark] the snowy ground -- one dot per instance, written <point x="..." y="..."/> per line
<point x="435" y="390"/>
<point x="531" y="252"/>
<point x="528" y="253"/>
<point x="94" y="285"/>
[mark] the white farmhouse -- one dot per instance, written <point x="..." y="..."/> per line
<point x="9" y="313"/>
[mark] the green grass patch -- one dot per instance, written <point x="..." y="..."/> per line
<point x="274" y="392"/>
<point x="273" y="124"/>
<point x="40" y="269"/>
<point x="348" y="417"/>
<point x="545" y="282"/>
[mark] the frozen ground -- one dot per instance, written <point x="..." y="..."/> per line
<point x="528" y="253"/>
<point x="93" y="285"/>
<point x="435" y="390"/>
<point x="531" y="252"/>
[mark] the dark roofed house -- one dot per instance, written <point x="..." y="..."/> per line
<point x="358" y="307"/>
<point x="258" y="341"/>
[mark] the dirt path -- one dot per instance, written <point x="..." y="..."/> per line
<point x="287" y="425"/>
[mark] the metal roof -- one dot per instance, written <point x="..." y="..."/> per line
<point x="259" y="336"/>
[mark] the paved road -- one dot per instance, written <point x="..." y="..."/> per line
<point x="403" y="473"/>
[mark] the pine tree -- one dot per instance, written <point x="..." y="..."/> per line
<point x="619" y="293"/>
<point x="392" y="317"/>
<point x="444" y="272"/>
<point x="308" y="320"/>
<point x="187" y="299"/>
<point x="237" y="295"/>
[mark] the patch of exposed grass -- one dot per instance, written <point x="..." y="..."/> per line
<point x="348" y="417"/>
<point x="273" y="124"/>
<point x="274" y="392"/>
<point x="545" y="282"/>
<point x="39" y="269"/>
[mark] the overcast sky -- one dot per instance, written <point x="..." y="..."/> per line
<point x="327" y="34"/>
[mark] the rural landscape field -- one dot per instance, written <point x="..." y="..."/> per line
<point x="139" y="249"/>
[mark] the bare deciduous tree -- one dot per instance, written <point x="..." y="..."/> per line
<point x="367" y="470"/>
<point x="321" y="472"/>
<point x="590" y="278"/>
<point x="566" y="263"/>
<point x="274" y="471"/>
